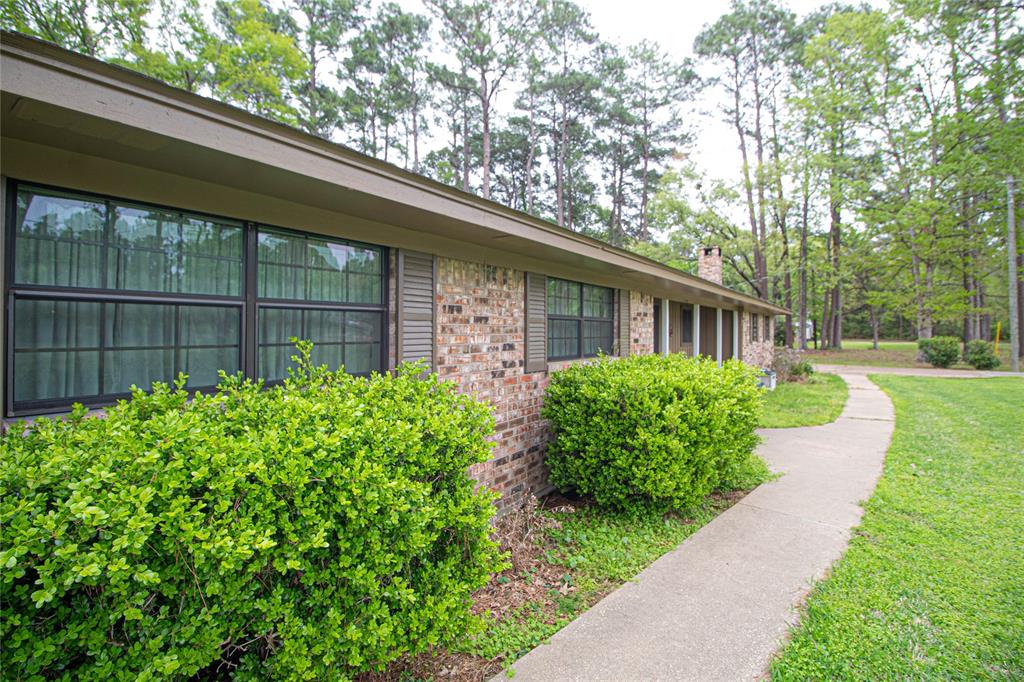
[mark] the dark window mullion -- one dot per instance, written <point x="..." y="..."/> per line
<point x="178" y="346"/>
<point x="103" y="346"/>
<point x="249" y="347"/>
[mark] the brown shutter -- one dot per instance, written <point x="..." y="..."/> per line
<point x="624" y="320"/>
<point x="535" y="354"/>
<point x="415" y="307"/>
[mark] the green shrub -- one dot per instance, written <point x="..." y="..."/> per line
<point x="939" y="351"/>
<point x="304" y="531"/>
<point x="645" y="429"/>
<point x="979" y="354"/>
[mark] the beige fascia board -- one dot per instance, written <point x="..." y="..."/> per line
<point x="47" y="73"/>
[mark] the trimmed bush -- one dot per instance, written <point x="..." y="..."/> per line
<point x="304" y="531"/>
<point x="651" y="429"/>
<point x="980" y="354"/>
<point x="939" y="351"/>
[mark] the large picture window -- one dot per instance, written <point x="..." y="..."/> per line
<point x="580" y="319"/>
<point x="106" y="294"/>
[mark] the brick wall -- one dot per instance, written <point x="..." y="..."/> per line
<point x="758" y="353"/>
<point x="641" y="332"/>
<point x="480" y="327"/>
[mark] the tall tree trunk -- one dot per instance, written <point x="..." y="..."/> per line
<point x="874" y="327"/>
<point x="485" y="132"/>
<point x="465" y="147"/>
<point x="1014" y="281"/>
<point x="531" y="154"/>
<point x="803" y="271"/>
<point x="760" y="285"/>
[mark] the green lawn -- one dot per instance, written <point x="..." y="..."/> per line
<point x="932" y="586"/>
<point x="817" y="401"/>
<point x="889" y="354"/>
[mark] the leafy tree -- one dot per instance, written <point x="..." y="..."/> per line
<point x="325" y="26"/>
<point x="253" y="62"/>
<point x="98" y="28"/>
<point x="489" y="41"/>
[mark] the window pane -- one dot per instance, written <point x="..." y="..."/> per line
<point x="208" y="342"/>
<point x="563" y="297"/>
<point x="362" y="342"/>
<point x="597" y="337"/>
<point x="56" y="349"/>
<point x="349" y="338"/>
<point x="63" y="241"/>
<point x="313" y="269"/>
<point x="281" y="270"/>
<point x="597" y="302"/>
<point x="149" y="342"/>
<point x="687" y="325"/>
<point x="59" y="240"/>
<point x="563" y="338"/>
<point x="211" y="260"/>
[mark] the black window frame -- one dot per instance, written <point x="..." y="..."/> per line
<point x="248" y="303"/>
<point x="579" y="320"/>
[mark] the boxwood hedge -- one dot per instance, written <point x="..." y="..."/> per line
<point x="939" y="351"/>
<point x="651" y="429"/>
<point x="304" y="531"/>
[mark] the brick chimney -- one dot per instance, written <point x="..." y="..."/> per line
<point x="709" y="263"/>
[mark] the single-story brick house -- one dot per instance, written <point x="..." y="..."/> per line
<point x="148" y="231"/>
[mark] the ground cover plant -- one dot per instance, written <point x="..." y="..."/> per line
<point x="930" y="587"/>
<point x="649" y="429"/>
<point x="305" y="531"/>
<point x="576" y="554"/>
<point x="818" y="400"/>
<point x="889" y="354"/>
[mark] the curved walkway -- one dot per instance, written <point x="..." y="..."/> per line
<point x="719" y="605"/>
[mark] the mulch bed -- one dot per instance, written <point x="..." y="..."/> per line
<point x="518" y="533"/>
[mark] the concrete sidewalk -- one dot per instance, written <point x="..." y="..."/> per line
<point x="719" y="605"/>
<point x="913" y="371"/>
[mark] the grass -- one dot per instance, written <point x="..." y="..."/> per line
<point x="817" y="401"/>
<point x="932" y="585"/>
<point x="889" y="354"/>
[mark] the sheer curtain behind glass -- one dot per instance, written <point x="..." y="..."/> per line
<point x="316" y="271"/>
<point x="66" y="349"/>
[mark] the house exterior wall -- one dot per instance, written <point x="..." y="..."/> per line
<point x="641" y="335"/>
<point x="480" y="329"/>
<point x="761" y="351"/>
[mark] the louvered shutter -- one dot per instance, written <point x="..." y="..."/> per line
<point x="536" y="334"/>
<point x="624" y="320"/>
<point x="415" y="307"/>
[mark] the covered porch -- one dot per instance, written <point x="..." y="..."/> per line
<point x="694" y="329"/>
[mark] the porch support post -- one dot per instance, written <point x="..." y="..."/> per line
<point x="664" y="326"/>
<point x="696" y="330"/>
<point x="718" y="335"/>
<point x="735" y="334"/>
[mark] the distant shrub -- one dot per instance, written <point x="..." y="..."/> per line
<point x="661" y="429"/>
<point x="790" y="365"/>
<point x="303" y="531"/>
<point x="980" y="354"/>
<point x="939" y="351"/>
